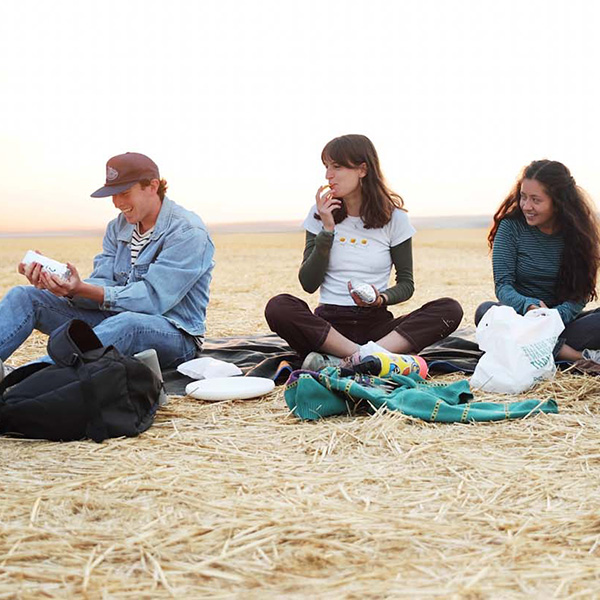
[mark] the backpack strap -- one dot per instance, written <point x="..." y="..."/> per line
<point x="20" y="374"/>
<point x="96" y="428"/>
<point x="69" y="341"/>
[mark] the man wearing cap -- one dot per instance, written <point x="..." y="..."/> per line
<point x="149" y="287"/>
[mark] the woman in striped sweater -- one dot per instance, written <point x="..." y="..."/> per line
<point x="546" y="253"/>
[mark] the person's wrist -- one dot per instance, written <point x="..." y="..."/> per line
<point x="77" y="289"/>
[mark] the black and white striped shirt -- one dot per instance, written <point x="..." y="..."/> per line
<point x="139" y="241"/>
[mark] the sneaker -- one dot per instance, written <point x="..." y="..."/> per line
<point x="4" y="370"/>
<point x="351" y="361"/>
<point x="315" y="361"/>
<point x="593" y="355"/>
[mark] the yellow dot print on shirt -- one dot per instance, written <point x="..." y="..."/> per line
<point x="353" y="240"/>
<point x="364" y="242"/>
<point x="342" y="240"/>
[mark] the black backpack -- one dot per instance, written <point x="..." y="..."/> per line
<point x="91" y="391"/>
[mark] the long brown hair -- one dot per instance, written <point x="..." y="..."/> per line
<point x="575" y="219"/>
<point x="378" y="200"/>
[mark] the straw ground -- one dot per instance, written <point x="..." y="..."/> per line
<point x="240" y="499"/>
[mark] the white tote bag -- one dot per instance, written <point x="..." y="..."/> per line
<point x="518" y="349"/>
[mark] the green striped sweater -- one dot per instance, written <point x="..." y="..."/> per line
<point x="526" y="264"/>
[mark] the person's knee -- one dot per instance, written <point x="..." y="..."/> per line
<point x="24" y="295"/>
<point x="21" y="294"/>
<point x="482" y="309"/>
<point x="23" y="299"/>
<point x="277" y="308"/>
<point x="453" y="311"/>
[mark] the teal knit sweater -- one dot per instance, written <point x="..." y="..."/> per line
<point x="526" y="264"/>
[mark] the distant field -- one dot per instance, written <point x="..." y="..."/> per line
<point x="241" y="500"/>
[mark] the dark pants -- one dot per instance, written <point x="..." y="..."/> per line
<point x="292" y="319"/>
<point x="583" y="332"/>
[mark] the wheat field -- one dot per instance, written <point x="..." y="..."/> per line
<point x="241" y="500"/>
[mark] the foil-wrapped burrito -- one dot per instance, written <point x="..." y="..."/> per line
<point x="364" y="291"/>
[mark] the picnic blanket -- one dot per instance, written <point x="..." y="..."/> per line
<point x="267" y="355"/>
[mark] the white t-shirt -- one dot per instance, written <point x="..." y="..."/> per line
<point x="359" y="255"/>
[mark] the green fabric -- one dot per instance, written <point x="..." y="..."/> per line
<point x="312" y="396"/>
<point x="315" y="260"/>
<point x="403" y="264"/>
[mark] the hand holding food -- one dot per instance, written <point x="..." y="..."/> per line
<point x="59" y="286"/>
<point x="364" y="294"/>
<point x="326" y="204"/>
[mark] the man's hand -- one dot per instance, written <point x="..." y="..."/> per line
<point x="33" y="273"/>
<point x="62" y="287"/>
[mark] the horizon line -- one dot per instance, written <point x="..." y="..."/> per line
<point x="280" y="226"/>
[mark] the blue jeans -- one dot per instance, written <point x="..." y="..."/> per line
<point x="581" y="333"/>
<point x="25" y="308"/>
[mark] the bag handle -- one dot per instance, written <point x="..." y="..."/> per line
<point x="20" y="374"/>
<point x="70" y="341"/>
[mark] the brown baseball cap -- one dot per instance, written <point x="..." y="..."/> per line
<point x="124" y="171"/>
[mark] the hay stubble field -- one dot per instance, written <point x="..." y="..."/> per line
<point x="241" y="500"/>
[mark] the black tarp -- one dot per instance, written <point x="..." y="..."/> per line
<point x="269" y="356"/>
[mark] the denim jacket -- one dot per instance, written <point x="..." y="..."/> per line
<point x="171" y="276"/>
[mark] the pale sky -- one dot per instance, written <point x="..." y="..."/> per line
<point x="234" y="100"/>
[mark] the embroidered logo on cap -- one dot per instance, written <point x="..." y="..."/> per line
<point x="111" y="174"/>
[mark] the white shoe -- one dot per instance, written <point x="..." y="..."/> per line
<point x="593" y="355"/>
<point x="315" y="361"/>
<point x="4" y="370"/>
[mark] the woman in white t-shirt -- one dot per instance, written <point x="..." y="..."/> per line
<point x="356" y="231"/>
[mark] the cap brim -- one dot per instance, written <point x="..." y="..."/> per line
<point x="111" y="190"/>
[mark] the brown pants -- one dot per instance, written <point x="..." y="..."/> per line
<point x="291" y="318"/>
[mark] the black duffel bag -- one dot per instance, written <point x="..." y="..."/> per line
<point x="91" y="391"/>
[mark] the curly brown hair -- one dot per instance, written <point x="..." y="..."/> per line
<point x="162" y="187"/>
<point x="576" y="220"/>
<point x="378" y="200"/>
